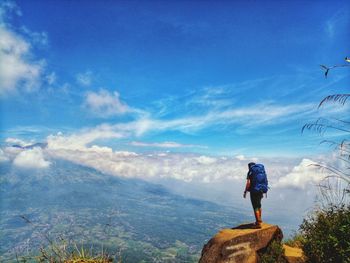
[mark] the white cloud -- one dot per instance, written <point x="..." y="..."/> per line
<point x="18" y="71"/>
<point x="79" y="141"/>
<point x="31" y="159"/>
<point x="15" y="67"/>
<point x="96" y="148"/>
<point x="185" y="167"/>
<point x="206" y="160"/>
<point x="241" y="157"/>
<point x="265" y="113"/>
<point x="302" y="176"/>
<point x="106" y="104"/>
<point x="215" y="97"/>
<point x="84" y="79"/>
<point x="78" y="148"/>
<point x="189" y="167"/>
<point x="165" y="145"/>
<point x="3" y="157"/>
<point x="181" y="166"/>
<point x="254" y="116"/>
<point x="11" y="152"/>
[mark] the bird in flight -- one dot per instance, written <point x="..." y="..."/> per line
<point x="25" y="219"/>
<point x="326" y="69"/>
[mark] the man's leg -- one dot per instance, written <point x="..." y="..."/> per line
<point x="260" y="220"/>
<point x="255" y="198"/>
<point x="257" y="216"/>
<point x="257" y="219"/>
<point x="259" y="207"/>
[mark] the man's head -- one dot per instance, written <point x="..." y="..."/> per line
<point x="250" y="165"/>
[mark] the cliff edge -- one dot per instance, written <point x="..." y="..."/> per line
<point x="241" y="244"/>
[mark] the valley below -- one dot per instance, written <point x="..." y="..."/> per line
<point x="133" y="219"/>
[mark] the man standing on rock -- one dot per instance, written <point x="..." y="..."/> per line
<point x="257" y="185"/>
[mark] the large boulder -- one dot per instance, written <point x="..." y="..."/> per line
<point x="239" y="244"/>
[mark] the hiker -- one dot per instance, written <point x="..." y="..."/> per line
<point x="257" y="186"/>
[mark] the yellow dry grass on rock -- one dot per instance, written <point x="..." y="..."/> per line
<point x="79" y="260"/>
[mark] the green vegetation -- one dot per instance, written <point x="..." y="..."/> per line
<point x="326" y="235"/>
<point x="295" y="241"/>
<point x="274" y="253"/>
<point x="63" y="253"/>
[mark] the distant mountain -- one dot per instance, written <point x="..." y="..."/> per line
<point x="31" y="146"/>
<point x="139" y="219"/>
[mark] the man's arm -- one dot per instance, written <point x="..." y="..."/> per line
<point x="246" y="188"/>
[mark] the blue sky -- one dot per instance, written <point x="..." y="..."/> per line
<point x="221" y="78"/>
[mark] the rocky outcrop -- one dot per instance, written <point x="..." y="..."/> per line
<point x="293" y="254"/>
<point x="240" y="244"/>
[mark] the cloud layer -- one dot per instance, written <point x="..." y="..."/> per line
<point x="188" y="167"/>
<point x="165" y="145"/>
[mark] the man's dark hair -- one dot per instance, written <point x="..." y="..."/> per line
<point x="250" y="165"/>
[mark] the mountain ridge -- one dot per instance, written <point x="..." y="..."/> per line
<point x="79" y="202"/>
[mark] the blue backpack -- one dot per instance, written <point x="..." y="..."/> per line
<point x="259" y="179"/>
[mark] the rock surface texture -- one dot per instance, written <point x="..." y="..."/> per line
<point x="239" y="244"/>
<point x="293" y="254"/>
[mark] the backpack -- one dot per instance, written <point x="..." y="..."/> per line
<point x="259" y="179"/>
